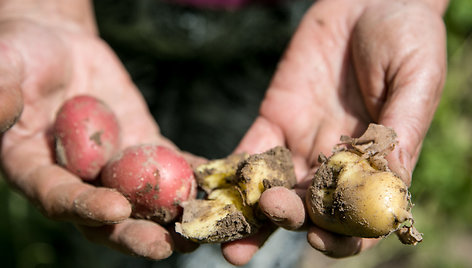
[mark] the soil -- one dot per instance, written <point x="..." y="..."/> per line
<point x="230" y="227"/>
<point x="278" y="160"/>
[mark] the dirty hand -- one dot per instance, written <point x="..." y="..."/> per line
<point x="50" y="52"/>
<point x="349" y="63"/>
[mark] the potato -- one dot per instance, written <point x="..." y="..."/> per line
<point x="263" y="171"/>
<point x="86" y="134"/>
<point x="354" y="193"/>
<point x="221" y="218"/>
<point x="155" y="179"/>
<point x="218" y="173"/>
<point x="234" y="186"/>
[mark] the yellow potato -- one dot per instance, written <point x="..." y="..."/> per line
<point x="354" y="193"/>
<point x="361" y="201"/>
<point x="234" y="186"/>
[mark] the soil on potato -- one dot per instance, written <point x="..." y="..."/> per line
<point x="231" y="162"/>
<point x="278" y="160"/>
<point x="97" y="137"/>
<point x="376" y="142"/>
<point x="325" y="179"/>
<point x="229" y="228"/>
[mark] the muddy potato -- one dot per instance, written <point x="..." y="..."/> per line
<point x="218" y="173"/>
<point x="354" y="193"/>
<point x="358" y="200"/>
<point x="263" y="171"/>
<point x="222" y="217"/>
<point x="155" y="180"/>
<point x="234" y="186"/>
<point x="86" y="134"/>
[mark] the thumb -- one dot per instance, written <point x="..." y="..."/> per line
<point x="11" y="99"/>
<point x="261" y="136"/>
<point x="11" y="106"/>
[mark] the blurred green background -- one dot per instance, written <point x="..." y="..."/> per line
<point x="211" y="69"/>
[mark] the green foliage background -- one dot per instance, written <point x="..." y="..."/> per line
<point x="211" y="69"/>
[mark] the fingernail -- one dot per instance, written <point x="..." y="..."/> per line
<point x="316" y="242"/>
<point x="159" y="250"/>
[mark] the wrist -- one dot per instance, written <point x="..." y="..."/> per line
<point x="74" y="14"/>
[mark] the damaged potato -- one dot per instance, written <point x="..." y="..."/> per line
<point x="263" y="171"/>
<point x="222" y="217"/>
<point x="234" y="186"/>
<point x="218" y="173"/>
<point x="354" y="193"/>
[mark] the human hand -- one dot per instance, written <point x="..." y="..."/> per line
<point x="349" y="63"/>
<point x="48" y="54"/>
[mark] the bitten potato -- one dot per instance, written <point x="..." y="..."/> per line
<point x="155" y="179"/>
<point x="354" y="193"/>
<point x="87" y="135"/>
<point x="230" y="210"/>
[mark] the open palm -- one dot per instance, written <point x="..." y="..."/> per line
<point x="349" y="63"/>
<point x="42" y="66"/>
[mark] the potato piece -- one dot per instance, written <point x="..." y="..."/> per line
<point x="262" y="171"/>
<point x="218" y="173"/>
<point x="232" y="196"/>
<point x="223" y="218"/>
<point x="354" y="193"/>
<point x="226" y="215"/>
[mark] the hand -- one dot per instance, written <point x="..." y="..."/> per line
<point x="45" y="59"/>
<point x="349" y="63"/>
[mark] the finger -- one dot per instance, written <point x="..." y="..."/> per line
<point x="11" y="100"/>
<point x="61" y="196"/>
<point x="136" y="237"/>
<point x="193" y="160"/>
<point x="11" y="106"/>
<point x="182" y="244"/>
<point x="240" y="252"/>
<point x="261" y="136"/>
<point x="283" y="207"/>
<point x="264" y="135"/>
<point x="58" y="193"/>
<point x="333" y="245"/>
<point x="402" y="75"/>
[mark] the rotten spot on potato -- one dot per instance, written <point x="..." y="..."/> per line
<point x="354" y="193"/>
<point x="234" y="186"/>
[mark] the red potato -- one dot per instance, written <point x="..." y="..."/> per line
<point x="154" y="179"/>
<point x="87" y="135"/>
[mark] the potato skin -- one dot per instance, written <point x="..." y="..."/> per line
<point x="155" y="180"/>
<point x="86" y="134"/>
<point x="348" y="196"/>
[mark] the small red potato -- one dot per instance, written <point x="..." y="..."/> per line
<point x="87" y="135"/>
<point x="155" y="180"/>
